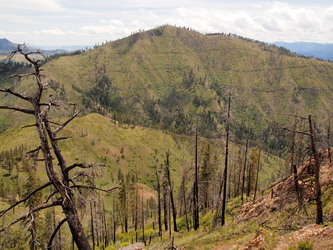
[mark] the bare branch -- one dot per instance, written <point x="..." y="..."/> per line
<point x="19" y="76"/>
<point x="79" y="165"/>
<point x="55" y="123"/>
<point x="48" y="198"/>
<point x="25" y="198"/>
<point x="49" y="244"/>
<point x="95" y="188"/>
<point x="65" y="123"/>
<point x="62" y="138"/>
<point x="296" y="116"/>
<point x="27" y="111"/>
<point x="38" y="208"/>
<point x="275" y="183"/>
<point x="29" y="126"/>
<point x="43" y="159"/>
<point x="21" y="96"/>
<point x="34" y="150"/>
<point x="298" y="132"/>
<point x="81" y="173"/>
<point x="10" y="56"/>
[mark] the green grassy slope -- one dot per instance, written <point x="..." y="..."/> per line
<point x="96" y="138"/>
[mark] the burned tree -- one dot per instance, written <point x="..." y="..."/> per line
<point x="225" y="178"/>
<point x="48" y="134"/>
<point x="317" y="187"/>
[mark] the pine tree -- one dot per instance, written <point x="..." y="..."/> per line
<point x="31" y="184"/>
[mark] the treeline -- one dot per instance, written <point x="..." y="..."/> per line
<point x="10" y="66"/>
<point x="58" y="55"/>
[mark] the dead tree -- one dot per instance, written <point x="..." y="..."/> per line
<point x="174" y="211"/>
<point x="317" y="188"/>
<point x="48" y="136"/>
<point x="158" y="186"/>
<point x="244" y="170"/>
<point x="257" y="177"/>
<point x="224" y="200"/>
<point x="319" y="218"/>
<point x="329" y="139"/>
<point x="196" y="186"/>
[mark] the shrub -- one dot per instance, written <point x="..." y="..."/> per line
<point x="305" y="245"/>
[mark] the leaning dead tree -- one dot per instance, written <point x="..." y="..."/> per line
<point x="317" y="187"/>
<point x="48" y="133"/>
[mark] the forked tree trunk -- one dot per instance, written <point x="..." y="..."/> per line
<point x="48" y="142"/>
<point x="67" y="197"/>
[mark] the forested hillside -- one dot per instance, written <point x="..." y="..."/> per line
<point x="170" y="77"/>
<point x="196" y="135"/>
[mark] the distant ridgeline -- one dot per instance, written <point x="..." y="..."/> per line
<point x="314" y="50"/>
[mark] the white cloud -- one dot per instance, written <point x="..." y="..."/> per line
<point x="90" y="22"/>
<point x="113" y="27"/>
<point x="45" y="5"/>
<point x="54" y="32"/>
<point x="17" y="19"/>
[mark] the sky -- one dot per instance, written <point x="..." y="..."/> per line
<point x="56" y="23"/>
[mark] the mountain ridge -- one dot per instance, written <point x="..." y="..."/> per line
<point x="167" y="76"/>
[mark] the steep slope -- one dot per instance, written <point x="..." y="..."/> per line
<point x="122" y="150"/>
<point x="168" y="76"/>
<point x="96" y="138"/>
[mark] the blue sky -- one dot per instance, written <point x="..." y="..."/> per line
<point x="88" y="22"/>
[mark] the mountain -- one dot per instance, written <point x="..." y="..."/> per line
<point x="316" y="50"/>
<point x="6" y="47"/>
<point x="172" y="78"/>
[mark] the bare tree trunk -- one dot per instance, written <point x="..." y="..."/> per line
<point x="114" y="223"/>
<point x="184" y="201"/>
<point x="196" y="187"/>
<point x="319" y="218"/>
<point x="257" y="177"/>
<point x="165" y="208"/>
<point x="244" y="170"/>
<point x="298" y="193"/>
<point x="92" y="225"/>
<point x="159" y="212"/>
<point x="106" y="235"/>
<point x="293" y="146"/>
<point x="225" y="177"/>
<point x="143" y="220"/>
<point x="328" y="139"/>
<point x="48" y="141"/>
<point x="174" y="212"/>
<point x="249" y="176"/>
